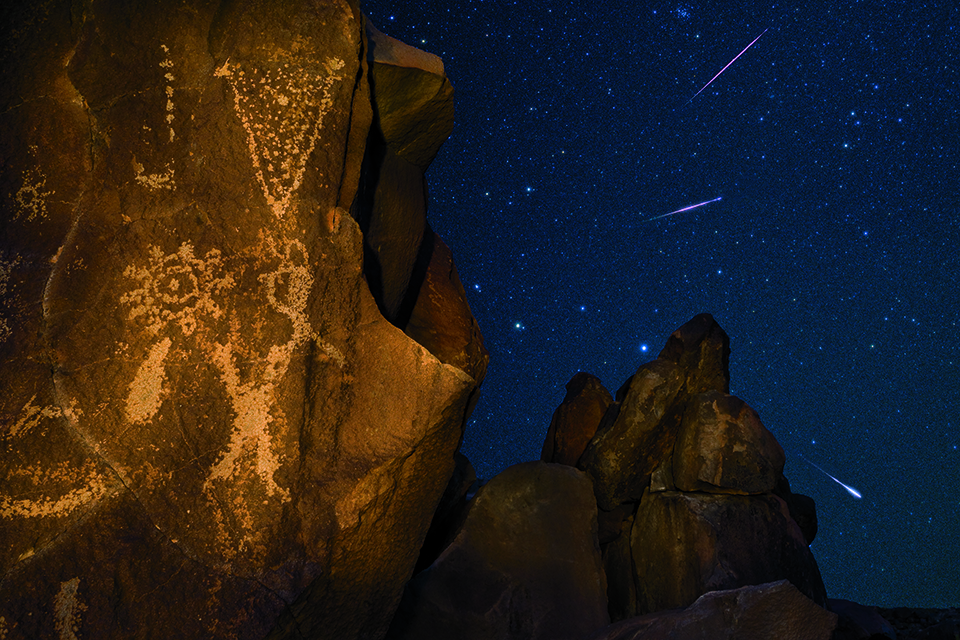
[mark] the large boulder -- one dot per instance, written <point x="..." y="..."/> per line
<point x="525" y="564"/>
<point x="623" y="455"/>
<point x="701" y="349"/>
<point x="775" y="610"/>
<point x="576" y="420"/>
<point x="686" y="544"/>
<point x="207" y="424"/>
<point x="412" y="116"/>
<point x="724" y="448"/>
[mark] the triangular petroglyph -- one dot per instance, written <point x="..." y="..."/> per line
<point x="282" y="111"/>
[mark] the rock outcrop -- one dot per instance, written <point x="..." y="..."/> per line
<point x="213" y="422"/>
<point x="524" y="564"/>
<point x="576" y="420"/>
<point x="690" y="487"/>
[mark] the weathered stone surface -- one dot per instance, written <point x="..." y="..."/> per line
<point x="685" y="545"/>
<point x="413" y="115"/>
<point x="576" y="420"/>
<point x="441" y="319"/>
<point x="621" y="457"/>
<point x="525" y="564"/>
<point x="206" y="421"/>
<point x="414" y="98"/>
<point x="724" y="448"/>
<point x="802" y="508"/>
<point x="702" y="350"/>
<point x="621" y="578"/>
<point x="857" y="622"/>
<point x="775" y="610"/>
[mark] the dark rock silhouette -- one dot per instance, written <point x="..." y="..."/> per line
<point x="856" y="622"/>
<point x="213" y="424"/>
<point x="576" y="420"/>
<point x="623" y="455"/>
<point x="774" y="610"/>
<point x="525" y="564"/>
<point x="686" y="544"/>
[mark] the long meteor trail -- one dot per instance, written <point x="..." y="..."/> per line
<point x="693" y="206"/>
<point x="725" y="68"/>
<point x="850" y="490"/>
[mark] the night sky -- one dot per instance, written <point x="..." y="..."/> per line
<point x="829" y="254"/>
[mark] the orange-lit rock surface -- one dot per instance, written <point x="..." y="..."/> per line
<point x="207" y="426"/>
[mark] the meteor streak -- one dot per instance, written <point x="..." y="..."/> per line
<point x="850" y="490"/>
<point x="693" y="206"/>
<point x="725" y="68"/>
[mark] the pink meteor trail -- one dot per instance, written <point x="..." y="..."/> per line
<point x="693" y="206"/>
<point x="725" y="68"/>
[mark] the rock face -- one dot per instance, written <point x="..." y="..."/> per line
<point x="525" y="564"/>
<point x="723" y="448"/>
<point x="210" y="427"/>
<point x="576" y="420"/>
<point x="774" y="610"/>
<point x="690" y="487"/>
<point x="685" y="545"/>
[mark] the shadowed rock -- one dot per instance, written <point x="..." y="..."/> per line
<point x="724" y="448"/>
<point x="857" y="622"/>
<point x="775" y="610"/>
<point x="802" y="508"/>
<point x="576" y="420"/>
<point x="621" y="457"/>
<point x="525" y="564"/>
<point x="702" y="350"/>
<point x="685" y="544"/>
<point x="413" y="115"/>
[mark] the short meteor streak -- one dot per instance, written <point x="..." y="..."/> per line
<point x="693" y="206"/>
<point x="850" y="490"/>
<point x="725" y="68"/>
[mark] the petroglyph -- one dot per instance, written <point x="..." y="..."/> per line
<point x="67" y="609"/>
<point x="146" y="390"/>
<point x="288" y="290"/>
<point x="89" y="486"/>
<point x="177" y="288"/>
<point x="155" y="181"/>
<point x="167" y="64"/>
<point x="31" y="416"/>
<point x="31" y="199"/>
<point x="282" y="111"/>
<point x="288" y="287"/>
<point x="165" y="179"/>
<point x="6" y="266"/>
<point x="252" y="404"/>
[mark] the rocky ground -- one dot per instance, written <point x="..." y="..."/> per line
<point x="923" y="624"/>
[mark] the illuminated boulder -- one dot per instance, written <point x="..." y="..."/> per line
<point x="208" y="427"/>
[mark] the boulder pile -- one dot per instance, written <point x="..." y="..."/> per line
<point x="686" y="498"/>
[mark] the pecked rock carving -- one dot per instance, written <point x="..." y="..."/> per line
<point x="209" y="429"/>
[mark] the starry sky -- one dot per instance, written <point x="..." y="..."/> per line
<point x="829" y="253"/>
